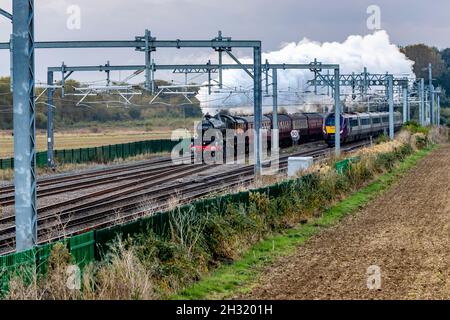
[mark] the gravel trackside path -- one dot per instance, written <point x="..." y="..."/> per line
<point x="405" y="232"/>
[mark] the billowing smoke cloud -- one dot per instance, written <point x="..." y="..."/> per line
<point x="373" y="51"/>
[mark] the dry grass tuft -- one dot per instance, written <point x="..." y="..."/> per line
<point x="30" y="285"/>
<point x="7" y="175"/>
<point x="440" y="134"/>
<point x="122" y="277"/>
<point x="174" y="201"/>
<point x="55" y="285"/>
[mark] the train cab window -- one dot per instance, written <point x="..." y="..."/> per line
<point x="330" y="121"/>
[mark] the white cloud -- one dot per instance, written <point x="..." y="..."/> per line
<point x="373" y="51"/>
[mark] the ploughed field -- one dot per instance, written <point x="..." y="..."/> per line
<point x="405" y="232"/>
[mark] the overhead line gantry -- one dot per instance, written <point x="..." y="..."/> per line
<point x="22" y="45"/>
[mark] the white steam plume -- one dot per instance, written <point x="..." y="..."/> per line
<point x="373" y="51"/>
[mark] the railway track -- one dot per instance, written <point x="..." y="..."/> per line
<point x="132" y="200"/>
<point x="140" y="175"/>
<point x="72" y="182"/>
<point x="90" y="177"/>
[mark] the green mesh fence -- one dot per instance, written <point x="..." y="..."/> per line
<point x="43" y="253"/>
<point x="344" y="165"/>
<point x="100" y="154"/>
<point x="82" y="248"/>
<point x="22" y="264"/>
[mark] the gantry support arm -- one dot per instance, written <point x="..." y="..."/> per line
<point x="6" y="14"/>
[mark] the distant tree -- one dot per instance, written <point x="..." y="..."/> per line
<point x="444" y="80"/>
<point x="41" y="120"/>
<point x="135" y="113"/>
<point x="70" y="85"/>
<point x="95" y="107"/>
<point x="193" y="111"/>
<point x="446" y="56"/>
<point x="422" y="55"/>
<point x="5" y="104"/>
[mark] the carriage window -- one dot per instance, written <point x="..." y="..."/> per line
<point x="385" y="119"/>
<point x="365" y="122"/>
<point x="354" y="122"/>
<point x="376" y="120"/>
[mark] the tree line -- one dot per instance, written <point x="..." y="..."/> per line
<point x="99" y="108"/>
<point x="422" y="55"/>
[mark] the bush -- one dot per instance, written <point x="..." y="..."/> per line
<point x="135" y="113"/>
<point x="413" y="127"/>
<point x="41" y="121"/>
<point x="382" y="138"/>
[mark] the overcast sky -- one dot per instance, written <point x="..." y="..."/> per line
<point x="272" y="22"/>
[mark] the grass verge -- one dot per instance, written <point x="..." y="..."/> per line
<point x="243" y="274"/>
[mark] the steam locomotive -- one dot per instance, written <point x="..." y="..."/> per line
<point x="358" y="126"/>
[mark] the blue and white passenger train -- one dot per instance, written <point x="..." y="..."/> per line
<point x="357" y="126"/>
